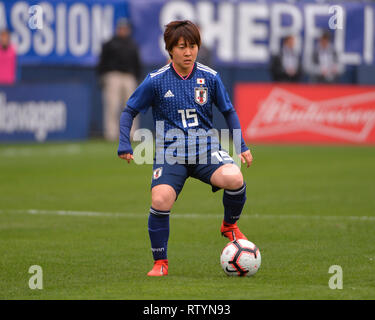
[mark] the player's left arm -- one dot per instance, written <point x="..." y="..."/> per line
<point x="233" y="123"/>
<point x="223" y="103"/>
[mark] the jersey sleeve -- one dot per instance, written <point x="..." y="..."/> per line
<point x="223" y="103"/>
<point x="143" y="97"/>
<point x="221" y="97"/>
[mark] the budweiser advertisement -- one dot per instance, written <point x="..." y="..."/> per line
<point x="306" y="113"/>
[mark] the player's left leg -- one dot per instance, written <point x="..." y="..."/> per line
<point x="229" y="178"/>
<point x="224" y="174"/>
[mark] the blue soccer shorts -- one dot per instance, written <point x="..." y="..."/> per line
<point x="176" y="174"/>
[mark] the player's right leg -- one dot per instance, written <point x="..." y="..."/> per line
<point x="167" y="182"/>
<point x="162" y="199"/>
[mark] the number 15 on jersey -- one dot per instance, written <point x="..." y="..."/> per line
<point x="188" y="114"/>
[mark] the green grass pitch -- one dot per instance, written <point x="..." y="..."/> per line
<point x="81" y="214"/>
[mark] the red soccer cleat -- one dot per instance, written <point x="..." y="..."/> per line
<point x="159" y="269"/>
<point x="231" y="231"/>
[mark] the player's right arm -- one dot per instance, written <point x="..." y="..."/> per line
<point x="125" y="150"/>
<point x="140" y="101"/>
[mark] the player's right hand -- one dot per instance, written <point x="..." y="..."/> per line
<point x="127" y="156"/>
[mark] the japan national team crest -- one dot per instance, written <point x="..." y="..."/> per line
<point x="157" y="173"/>
<point x="201" y="95"/>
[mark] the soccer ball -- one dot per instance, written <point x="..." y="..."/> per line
<point x="240" y="258"/>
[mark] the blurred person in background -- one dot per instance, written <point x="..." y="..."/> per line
<point x="8" y="59"/>
<point x="326" y="65"/>
<point x="204" y="54"/>
<point x="119" y="68"/>
<point x="287" y="65"/>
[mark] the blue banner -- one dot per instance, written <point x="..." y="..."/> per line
<point x="248" y="32"/>
<point x="41" y="112"/>
<point x="60" y="32"/>
<point x="241" y="32"/>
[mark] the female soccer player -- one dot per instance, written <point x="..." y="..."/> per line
<point x="181" y="95"/>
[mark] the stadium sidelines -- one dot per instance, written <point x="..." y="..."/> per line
<point x="184" y="215"/>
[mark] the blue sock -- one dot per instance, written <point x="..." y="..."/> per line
<point x="158" y="230"/>
<point x="234" y="201"/>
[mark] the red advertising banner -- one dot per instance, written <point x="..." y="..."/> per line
<point x="306" y="113"/>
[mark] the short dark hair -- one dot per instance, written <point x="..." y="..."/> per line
<point x="181" y="28"/>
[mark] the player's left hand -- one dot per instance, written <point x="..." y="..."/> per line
<point x="246" y="157"/>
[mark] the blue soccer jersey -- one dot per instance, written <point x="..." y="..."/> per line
<point x="182" y="108"/>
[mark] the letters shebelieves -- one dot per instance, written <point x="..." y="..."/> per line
<point x="249" y="31"/>
<point x="243" y="31"/>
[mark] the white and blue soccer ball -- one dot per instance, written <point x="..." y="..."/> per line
<point x="240" y="258"/>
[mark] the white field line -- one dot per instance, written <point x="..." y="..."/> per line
<point x="53" y="151"/>
<point x="186" y="215"/>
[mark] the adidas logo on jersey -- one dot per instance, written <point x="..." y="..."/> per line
<point x="169" y="94"/>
